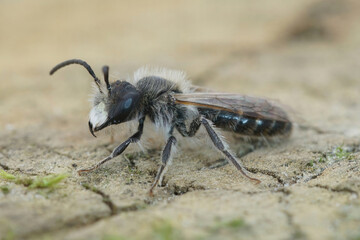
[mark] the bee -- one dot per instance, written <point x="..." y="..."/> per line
<point x="167" y="98"/>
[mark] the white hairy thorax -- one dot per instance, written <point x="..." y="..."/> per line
<point x="180" y="81"/>
<point x="179" y="78"/>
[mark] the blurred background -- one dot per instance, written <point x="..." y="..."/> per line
<point x="296" y="52"/>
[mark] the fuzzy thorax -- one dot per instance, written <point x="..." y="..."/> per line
<point x="178" y="78"/>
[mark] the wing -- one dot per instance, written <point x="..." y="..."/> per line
<point x="235" y="103"/>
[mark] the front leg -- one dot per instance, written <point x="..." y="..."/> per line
<point x="119" y="149"/>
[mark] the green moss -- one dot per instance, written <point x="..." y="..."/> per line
<point x="49" y="181"/>
<point x="322" y="159"/>
<point x="5" y="189"/>
<point x="298" y="235"/>
<point x="342" y="154"/>
<point x="133" y="173"/>
<point x="338" y="154"/>
<point x="6" y="176"/>
<point x="89" y="187"/>
<point x="233" y="224"/>
<point x="164" y="230"/>
<point x="10" y="235"/>
<point x="134" y="170"/>
<point x="26" y="181"/>
<point x="310" y="164"/>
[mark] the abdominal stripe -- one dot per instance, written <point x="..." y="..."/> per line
<point x="246" y="125"/>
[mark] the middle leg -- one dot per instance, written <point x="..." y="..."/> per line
<point x="166" y="155"/>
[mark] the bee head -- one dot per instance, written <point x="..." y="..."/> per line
<point x="120" y="105"/>
<point x="117" y="104"/>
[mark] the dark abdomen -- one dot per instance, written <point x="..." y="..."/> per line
<point x="246" y="125"/>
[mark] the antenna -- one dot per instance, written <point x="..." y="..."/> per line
<point x="105" y="70"/>
<point x="82" y="63"/>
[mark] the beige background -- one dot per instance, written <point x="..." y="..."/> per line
<point x="304" y="54"/>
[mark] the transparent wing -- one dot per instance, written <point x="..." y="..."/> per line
<point x="243" y="105"/>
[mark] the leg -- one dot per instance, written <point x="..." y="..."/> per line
<point x="222" y="162"/>
<point x="219" y="163"/>
<point x="166" y="155"/>
<point x="219" y="144"/>
<point x="119" y="149"/>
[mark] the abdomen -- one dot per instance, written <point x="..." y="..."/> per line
<point x="249" y="126"/>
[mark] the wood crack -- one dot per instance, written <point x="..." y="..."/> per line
<point x="105" y="198"/>
<point x="337" y="189"/>
<point x="268" y="173"/>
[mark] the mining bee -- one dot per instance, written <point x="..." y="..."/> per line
<point x="167" y="98"/>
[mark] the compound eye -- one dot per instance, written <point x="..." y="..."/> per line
<point x="127" y="103"/>
<point x="124" y="100"/>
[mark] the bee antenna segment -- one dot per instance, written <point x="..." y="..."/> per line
<point x="80" y="62"/>
<point x="105" y="70"/>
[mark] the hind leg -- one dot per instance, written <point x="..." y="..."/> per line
<point x="219" y="144"/>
